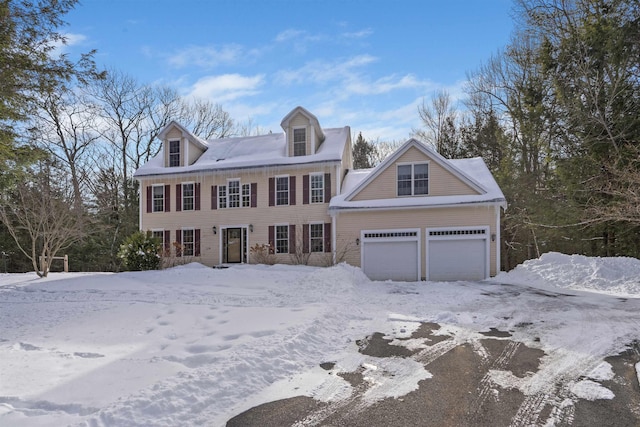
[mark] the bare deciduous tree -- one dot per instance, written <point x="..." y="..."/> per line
<point x="40" y="217"/>
<point x="439" y="121"/>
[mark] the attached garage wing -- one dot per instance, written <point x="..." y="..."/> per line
<point x="461" y="254"/>
<point x="391" y="255"/>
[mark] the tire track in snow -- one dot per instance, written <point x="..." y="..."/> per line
<point x="483" y="391"/>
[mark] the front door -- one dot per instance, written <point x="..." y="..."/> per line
<point x="234" y="245"/>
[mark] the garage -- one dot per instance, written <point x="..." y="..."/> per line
<point x="457" y="254"/>
<point x="391" y="254"/>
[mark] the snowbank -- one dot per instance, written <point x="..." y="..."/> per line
<point x="614" y="275"/>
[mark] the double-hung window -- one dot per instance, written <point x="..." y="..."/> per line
<point x="188" y="240"/>
<point x="413" y="179"/>
<point x="233" y="189"/>
<point x="222" y="196"/>
<point x="246" y="195"/>
<point x="282" y="190"/>
<point x="282" y="239"/>
<point x="300" y="142"/>
<point x="316" y="182"/>
<point x="234" y="195"/>
<point x="174" y="153"/>
<point x="188" y="196"/>
<point x="158" y="198"/>
<point x="316" y="237"/>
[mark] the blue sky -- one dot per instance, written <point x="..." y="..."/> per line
<point x="363" y="63"/>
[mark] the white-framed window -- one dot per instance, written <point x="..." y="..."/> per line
<point x="188" y="196"/>
<point x="246" y="195"/>
<point x="234" y="195"/>
<point x="316" y="237"/>
<point x="413" y="179"/>
<point x="158" y="198"/>
<point x="188" y="242"/>
<point x="174" y="153"/>
<point x="158" y="234"/>
<point x="282" y="239"/>
<point x="300" y="142"/>
<point x="316" y="182"/>
<point x="282" y="190"/>
<point x="222" y="196"/>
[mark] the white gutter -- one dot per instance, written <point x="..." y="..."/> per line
<point x="497" y="203"/>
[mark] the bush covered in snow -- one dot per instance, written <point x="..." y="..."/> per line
<point x="141" y="251"/>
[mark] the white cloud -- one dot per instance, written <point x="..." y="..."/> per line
<point x="70" y="39"/>
<point x="386" y="84"/>
<point x="210" y="56"/>
<point x="358" y="34"/>
<point x="324" y="71"/>
<point x="226" y="87"/>
<point x="288" y="35"/>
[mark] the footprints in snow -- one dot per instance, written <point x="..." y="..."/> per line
<point x="82" y="354"/>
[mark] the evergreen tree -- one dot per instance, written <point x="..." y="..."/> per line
<point x="363" y="153"/>
<point x="28" y="36"/>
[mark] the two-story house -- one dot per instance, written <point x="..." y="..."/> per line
<point x="416" y="215"/>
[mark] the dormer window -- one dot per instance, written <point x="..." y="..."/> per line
<point x="300" y="142"/>
<point x="174" y="153"/>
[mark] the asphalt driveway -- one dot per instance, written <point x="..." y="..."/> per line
<point x="492" y="382"/>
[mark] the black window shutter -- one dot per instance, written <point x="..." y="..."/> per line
<point x="327" y="187"/>
<point x="327" y="237"/>
<point x="305" y="189"/>
<point x="197" y="196"/>
<point x="167" y="198"/>
<point x="178" y="197"/>
<point x="305" y="238"/>
<point x="214" y="197"/>
<point x="149" y="199"/>
<point x="272" y="191"/>
<point x="196" y="243"/>
<point x="254" y="194"/>
<point x="292" y="239"/>
<point x="292" y="190"/>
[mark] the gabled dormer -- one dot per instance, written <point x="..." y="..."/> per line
<point x="302" y="132"/>
<point x="179" y="146"/>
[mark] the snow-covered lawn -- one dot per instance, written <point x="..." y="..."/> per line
<point x="195" y="346"/>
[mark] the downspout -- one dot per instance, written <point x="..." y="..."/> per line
<point x="334" y="221"/>
<point x="334" y="234"/>
<point x="497" y="208"/>
<point x="140" y="192"/>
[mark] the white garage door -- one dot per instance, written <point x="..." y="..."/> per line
<point x="457" y="259"/>
<point x="391" y="256"/>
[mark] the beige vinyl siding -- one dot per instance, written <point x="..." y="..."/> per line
<point x="194" y="153"/>
<point x="261" y="217"/>
<point x="441" y="181"/>
<point x="350" y="224"/>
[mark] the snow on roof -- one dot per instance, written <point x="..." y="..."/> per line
<point x="250" y="152"/>
<point x="474" y="167"/>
